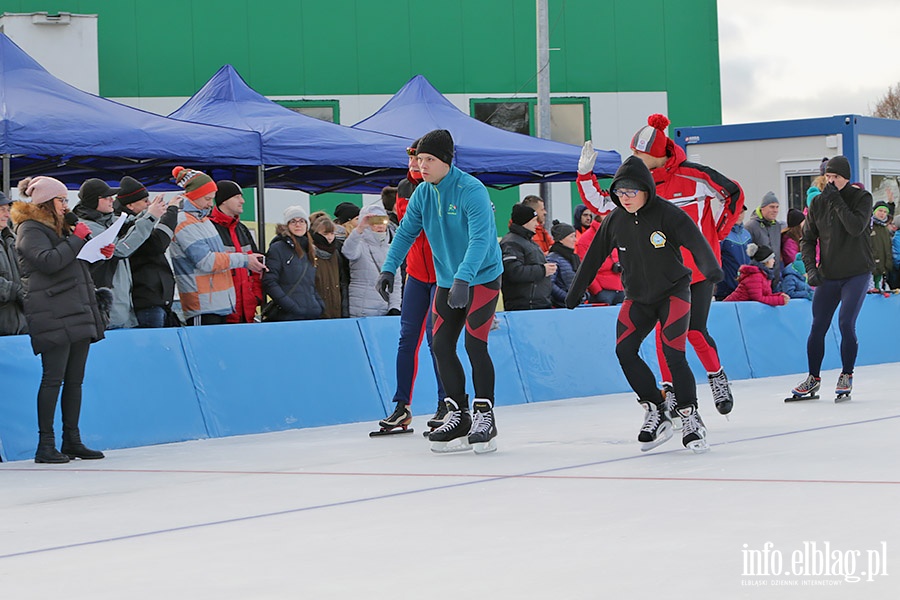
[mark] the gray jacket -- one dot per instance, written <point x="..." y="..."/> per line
<point x="134" y="232"/>
<point x="12" y="292"/>
<point x="366" y="253"/>
<point x="767" y="233"/>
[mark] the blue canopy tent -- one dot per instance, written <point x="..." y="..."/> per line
<point x="49" y="127"/>
<point x="298" y="151"/>
<point x="497" y="157"/>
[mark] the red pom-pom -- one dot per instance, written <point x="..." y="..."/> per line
<point x="176" y="171"/>
<point x="658" y="121"/>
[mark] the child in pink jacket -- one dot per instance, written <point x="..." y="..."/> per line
<point x="755" y="279"/>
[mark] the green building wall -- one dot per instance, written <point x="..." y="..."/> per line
<point x="154" y="48"/>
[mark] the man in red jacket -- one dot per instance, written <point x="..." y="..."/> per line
<point x="415" y="314"/>
<point x="226" y="216"/>
<point x="712" y="201"/>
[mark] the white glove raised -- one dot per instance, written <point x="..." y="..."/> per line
<point x="587" y="159"/>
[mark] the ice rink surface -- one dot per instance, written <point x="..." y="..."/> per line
<point x="792" y="501"/>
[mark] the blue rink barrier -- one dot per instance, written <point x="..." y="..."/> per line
<point x="146" y="387"/>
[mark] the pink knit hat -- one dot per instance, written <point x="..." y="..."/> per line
<point x="38" y="190"/>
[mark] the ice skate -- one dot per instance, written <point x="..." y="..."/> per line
<point x="438" y="419"/>
<point x="693" y="431"/>
<point x="452" y="436"/>
<point x="398" y="422"/>
<point x="843" y="388"/>
<point x="806" y="390"/>
<point x="483" y="435"/>
<point x="721" y="392"/>
<point x="668" y="393"/>
<point x="657" y="427"/>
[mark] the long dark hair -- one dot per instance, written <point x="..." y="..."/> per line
<point x="285" y="231"/>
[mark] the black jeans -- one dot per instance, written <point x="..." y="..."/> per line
<point x="63" y="367"/>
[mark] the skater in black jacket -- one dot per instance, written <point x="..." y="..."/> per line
<point x="649" y="233"/>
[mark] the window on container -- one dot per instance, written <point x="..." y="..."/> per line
<point x="887" y="188"/>
<point x="511" y="116"/>
<point x="569" y="117"/>
<point x="796" y="190"/>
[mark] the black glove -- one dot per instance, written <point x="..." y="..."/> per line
<point x="813" y="278"/>
<point x="617" y="267"/>
<point x="459" y="294"/>
<point x="384" y="285"/>
<point x="394" y="312"/>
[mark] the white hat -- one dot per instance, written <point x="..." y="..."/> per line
<point x="295" y="212"/>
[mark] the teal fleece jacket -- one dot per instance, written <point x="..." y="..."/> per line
<point x="458" y="219"/>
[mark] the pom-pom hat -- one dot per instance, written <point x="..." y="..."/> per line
<point x="651" y="139"/>
<point x="196" y="184"/>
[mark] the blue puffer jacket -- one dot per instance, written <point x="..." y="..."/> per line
<point x="285" y="269"/>
<point x="567" y="263"/>
<point x="794" y="283"/>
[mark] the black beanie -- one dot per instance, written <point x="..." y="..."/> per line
<point x="759" y="253"/>
<point x="438" y="143"/>
<point x="521" y="214"/>
<point x="226" y="189"/>
<point x="345" y="211"/>
<point x="795" y="217"/>
<point x="131" y="190"/>
<point x="839" y="165"/>
<point x="560" y="231"/>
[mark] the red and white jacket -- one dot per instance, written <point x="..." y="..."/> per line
<point x="712" y="200"/>
<point x="419" y="260"/>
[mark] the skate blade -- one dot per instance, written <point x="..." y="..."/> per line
<point x="842" y="398"/>
<point x="664" y="435"/>
<point x="801" y="398"/>
<point x="395" y="431"/>
<point x="457" y="445"/>
<point x="698" y="446"/>
<point x="485" y="447"/>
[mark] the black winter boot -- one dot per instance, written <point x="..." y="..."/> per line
<point x="73" y="448"/>
<point x="46" y="450"/>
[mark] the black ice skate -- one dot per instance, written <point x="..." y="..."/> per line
<point x="668" y="394"/>
<point x="693" y="431"/>
<point x="806" y="390"/>
<point x="721" y="392"/>
<point x="843" y="388"/>
<point x="657" y="427"/>
<point x="483" y="435"/>
<point x="438" y="419"/>
<point x="452" y="436"/>
<point x="398" y="422"/>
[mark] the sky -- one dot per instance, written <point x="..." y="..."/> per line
<point x="798" y="59"/>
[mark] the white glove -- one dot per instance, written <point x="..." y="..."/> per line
<point x="587" y="159"/>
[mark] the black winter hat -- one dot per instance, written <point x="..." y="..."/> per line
<point x="226" y="189"/>
<point x="438" y="143"/>
<point x="345" y="211"/>
<point x="521" y="214"/>
<point x="560" y="231"/>
<point x="92" y="190"/>
<point x="759" y="253"/>
<point x="839" y="165"/>
<point x="795" y="217"/>
<point x="131" y="190"/>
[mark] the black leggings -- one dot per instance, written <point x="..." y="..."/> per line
<point x="477" y="317"/>
<point x="62" y="364"/>
<point x="636" y="321"/>
<point x="850" y="294"/>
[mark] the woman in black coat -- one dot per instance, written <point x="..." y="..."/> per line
<point x="61" y="309"/>
<point x="291" y="276"/>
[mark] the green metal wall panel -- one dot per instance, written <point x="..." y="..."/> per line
<point x="276" y="66"/>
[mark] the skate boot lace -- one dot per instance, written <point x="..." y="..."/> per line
<point x="719" y="387"/>
<point x="651" y="418"/>
<point x="481" y="421"/>
<point x="451" y="420"/>
<point x="668" y="400"/>
<point x="808" y="385"/>
<point x="691" y="423"/>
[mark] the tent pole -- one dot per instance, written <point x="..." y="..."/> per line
<point x="543" y="92"/>
<point x="261" y="207"/>
<point x="6" y="174"/>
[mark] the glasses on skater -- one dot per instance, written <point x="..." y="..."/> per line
<point x="627" y="193"/>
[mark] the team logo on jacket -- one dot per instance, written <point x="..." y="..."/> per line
<point x="451" y="209"/>
<point x="658" y="239"/>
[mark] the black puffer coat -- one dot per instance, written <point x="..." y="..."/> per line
<point x="525" y="282"/>
<point x="60" y="302"/>
<point x="12" y="293"/>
